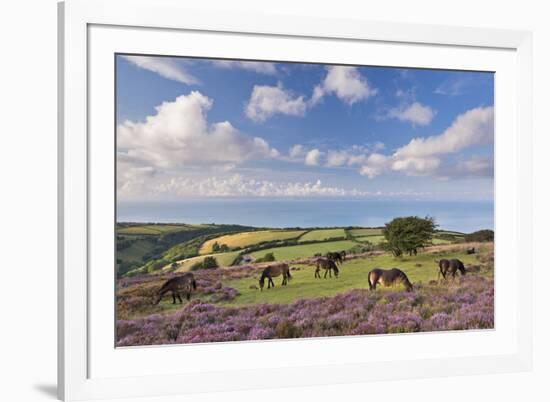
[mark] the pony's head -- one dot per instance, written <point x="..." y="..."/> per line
<point x="156" y="298"/>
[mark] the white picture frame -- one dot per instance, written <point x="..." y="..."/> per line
<point x="90" y="31"/>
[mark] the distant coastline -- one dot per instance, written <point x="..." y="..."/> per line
<point x="462" y="216"/>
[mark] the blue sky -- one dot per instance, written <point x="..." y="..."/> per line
<point x="197" y="128"/>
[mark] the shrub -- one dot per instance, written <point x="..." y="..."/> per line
<point x="209" y="262"/>
<point x="269" y="257"/>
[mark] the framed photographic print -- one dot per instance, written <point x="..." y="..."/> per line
<point x="257" y="200"/>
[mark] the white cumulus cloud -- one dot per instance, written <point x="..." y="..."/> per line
<point x="431" y="155"/>
<point x="475" y="127"/>
<point x="313" y="157"/>
<point x="415" y="113"/>
<point x="296" y="151"/>
<point x="265" y="101"/>
<point x="344" y="82"/>
<point x="238" y="186"/>
<point x="179" y="134"/>
<point x="163" y="66"/>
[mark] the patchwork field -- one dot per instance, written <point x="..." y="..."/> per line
<point x="373" y="239"/>
<point x="154" y="229"/>
<point x="322" y="234"/>
<point x="305" y="250"/>
<point x="365" y="232"/>
<point x="223" y="259"/>
<point x="250" y="238"/>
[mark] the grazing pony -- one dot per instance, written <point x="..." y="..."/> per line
<point x="388" y="277"/>
<point x="450" y="267"/>
<point x="182" y="283"/>
<point x="328" y="265"/>
<point x="273" y="271"/>
<point x="471" y="250"/>
<point x="335" y="256"/>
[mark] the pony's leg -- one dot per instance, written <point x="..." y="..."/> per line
<point x="188" y="296"/>
<point x="179" y="297"/>
<point x="326" y="272"/>
<point x="173" y="297"/>
<point x="271" y="281"/>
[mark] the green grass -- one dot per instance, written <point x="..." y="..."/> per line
<point x="250" y="238"/>
<point x="353" y="275"/>
<point x="223" y="259"/>
<point x="136" y="250"/>
<point x="153" y="229"/>
<point x="365" y="232"/>
<point x="373" y="239"/>
<point x="322" y="234"/>
<point x="305" y="250"/>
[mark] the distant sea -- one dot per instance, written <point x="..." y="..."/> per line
<point x="462" y="216"/>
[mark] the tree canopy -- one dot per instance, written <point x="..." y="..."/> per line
<point x="407" y="234"/>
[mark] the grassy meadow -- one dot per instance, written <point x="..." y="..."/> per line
<point x="353" y="275"/>
<point x="323" y="234"/>
<point x="223" y="259"/>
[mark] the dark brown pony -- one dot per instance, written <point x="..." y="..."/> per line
<point x="450" y="267"/>
<point x="471" y="250"/>
<point x="182" y="283"/>
<point x="388" y="277"/>
<point x="335" y="256"/>
<point x="273" y="271"/>
<point x="328" y="265"/>
<point x="343" y="255"/>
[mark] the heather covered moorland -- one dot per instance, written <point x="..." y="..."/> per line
<point x="227" y="304"/>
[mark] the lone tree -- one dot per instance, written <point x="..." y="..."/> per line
<point x="408" y="234"/>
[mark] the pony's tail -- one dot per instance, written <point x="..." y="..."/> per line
<point x="370" y="282"/>
<point x="194" y="284"/>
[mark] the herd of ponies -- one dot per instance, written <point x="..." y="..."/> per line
<point x="185" y="283"/>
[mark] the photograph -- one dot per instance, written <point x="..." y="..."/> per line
<point x="266" y="200"/>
